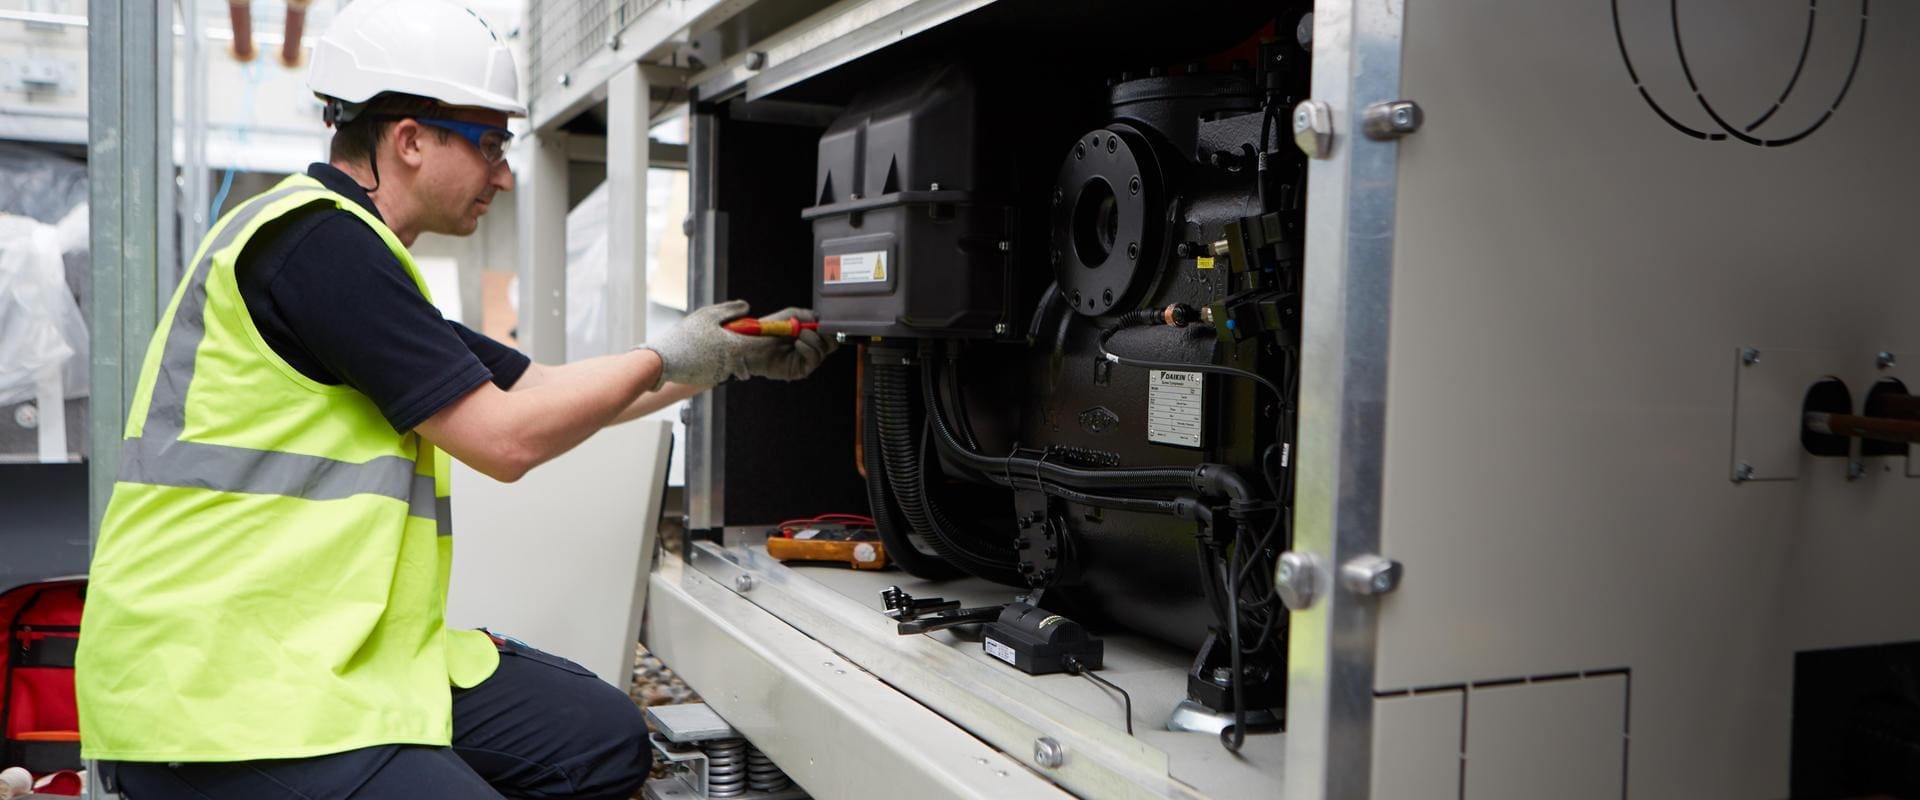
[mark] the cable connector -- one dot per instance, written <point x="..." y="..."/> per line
<point x="1178" y="315"/>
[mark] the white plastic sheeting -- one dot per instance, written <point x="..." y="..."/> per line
<point x="43" y="338"/>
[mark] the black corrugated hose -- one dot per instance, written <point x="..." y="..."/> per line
<point x="892" y="403"/>
<point x="886" y="516"/>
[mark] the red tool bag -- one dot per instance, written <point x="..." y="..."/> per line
<point x="39" y="721"/>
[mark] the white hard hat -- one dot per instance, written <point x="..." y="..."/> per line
<point x="431" y="48"/>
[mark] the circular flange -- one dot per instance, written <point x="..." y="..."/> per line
<point x="1104" y="223"/>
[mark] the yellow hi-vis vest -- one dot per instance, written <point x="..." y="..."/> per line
<point x="271" y="574"/>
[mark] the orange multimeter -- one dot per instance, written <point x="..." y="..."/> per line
<point x="848" y="542"/>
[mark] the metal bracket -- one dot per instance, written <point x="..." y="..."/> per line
<point x="1313" y="128"/>
<point x="1391" y="120"/>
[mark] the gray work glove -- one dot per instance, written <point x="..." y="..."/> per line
<point x="784" y="359"/>
<point x="698" y="352"/>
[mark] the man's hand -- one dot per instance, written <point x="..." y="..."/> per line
<point x="699" y="352"/>
<point x="784" y="359"/>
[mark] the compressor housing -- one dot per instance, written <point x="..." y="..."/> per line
<point x="1077" y="371"/>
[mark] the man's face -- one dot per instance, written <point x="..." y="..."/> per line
<point x="456" y="184"/>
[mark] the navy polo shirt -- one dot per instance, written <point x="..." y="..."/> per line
<point x="334" y="302"/>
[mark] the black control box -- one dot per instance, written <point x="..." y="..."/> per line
<point x="907" y="239"/>
<point x="1039" y="642"/>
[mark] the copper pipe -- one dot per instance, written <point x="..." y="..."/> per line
<point x="290" y="50"/>
<point x="241" y="13"/>
<point x="860" y="412"/>
<point x="1876" y="428"/>
<point x="1898" y="406"/>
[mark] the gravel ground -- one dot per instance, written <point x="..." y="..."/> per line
<point x="654" y="684"/>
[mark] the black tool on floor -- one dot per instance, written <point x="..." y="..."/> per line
<point x="902" y="606"/>
<point x="931" y="614"/>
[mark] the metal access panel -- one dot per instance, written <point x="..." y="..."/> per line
<point x="1521" y="364"/>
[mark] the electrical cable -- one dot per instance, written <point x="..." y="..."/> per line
<point x="1216" y="369"/>
<point x="1074" y="667"/>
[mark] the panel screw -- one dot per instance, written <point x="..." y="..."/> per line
<point x="1133" y="250"/>
<point x="1000" y="329"/>
<point x="757" y="60"/>
<point x="1370" y="574"/>
<point x="1005" y="246"/>
<point x="565" y="79"/>
<point x="1856" y="470"/>
<point x="1390" y="120"/>
<point x="1742" y="472"/>
<point x="1313" y="128"/>
<point x="743" y="583"/>
<point x="933" y="187"/>
<point x="1884" y="359"/>
<point x="1749" y="356"/>
<point x="840" y="337"/>
<point x="1048" y="753"/>
<point x="1295" y="580"/>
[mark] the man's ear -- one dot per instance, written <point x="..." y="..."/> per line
<point x="405" y="135"/>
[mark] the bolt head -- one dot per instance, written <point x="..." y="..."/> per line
<point x="566" y="80"/>
<point x="1300" y="121"/>
<point x="1749" y="356"/>
<point x="1222" y="675"/>
<point x="1742" y="472"/>
<point x="1884" y="359"/>
<point x="840" y="337"/>
<point x="743" y="583"/>
<point x="1048" y="753"/>
<point x="1856" y="470"/>
<point x="1000" y="329"/>
<point x="933" y="187"/>
<point x="1403" y="117"/>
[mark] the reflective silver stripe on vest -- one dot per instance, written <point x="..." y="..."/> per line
<point x="246" y="471"/>
<point x="160" y="458"/>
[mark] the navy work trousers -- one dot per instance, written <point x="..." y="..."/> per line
<point x="540" y="727"/>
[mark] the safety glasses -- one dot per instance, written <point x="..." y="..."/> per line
<point x="491" y="141"/>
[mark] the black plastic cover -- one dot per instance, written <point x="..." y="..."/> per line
<point x="908" y="237"/>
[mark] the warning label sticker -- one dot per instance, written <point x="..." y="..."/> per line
<point x="999" y="651"/>
<point x="1174" y="407"/>
<point x="868" y="267"/>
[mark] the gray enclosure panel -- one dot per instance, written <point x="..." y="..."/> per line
<point x="1561" y="739"/>
<point x="1572" y="278"/>
<point x="1416" y="745"/>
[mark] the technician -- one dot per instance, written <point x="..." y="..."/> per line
<point x="265" y="616"/>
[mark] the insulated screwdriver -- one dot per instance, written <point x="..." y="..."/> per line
<point x="773" y="327"/>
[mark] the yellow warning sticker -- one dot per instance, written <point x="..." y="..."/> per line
<point x="1204" y="262"/>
